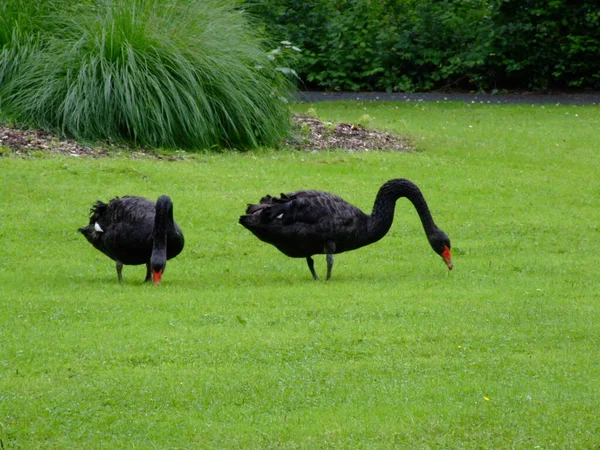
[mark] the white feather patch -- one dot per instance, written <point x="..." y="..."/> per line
<point x="280" y="216"/>
<point x="98" y="228"/>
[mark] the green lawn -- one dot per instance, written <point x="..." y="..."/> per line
<point x="240" y="348"/>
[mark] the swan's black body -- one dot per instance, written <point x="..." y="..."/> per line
<point x="305" y="223"/>
<point x="134" y="230"/>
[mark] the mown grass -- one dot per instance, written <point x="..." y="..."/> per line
<point x="240" y="348"/>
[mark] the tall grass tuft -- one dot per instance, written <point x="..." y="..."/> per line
<point x="169" y="73"/>
<point x="20" y="29"/>
<point x="19" y="18"/>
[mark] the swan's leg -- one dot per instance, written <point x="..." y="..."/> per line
<point x="119" y="270"/>
<point x="329" y="265"/>
<point x="329" y="250"/>
<point x="148" y="273"/>
<point x="311" y="266"/>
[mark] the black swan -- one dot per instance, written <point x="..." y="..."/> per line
<point x="135" y="230"/>
<point x="305" y="223"/>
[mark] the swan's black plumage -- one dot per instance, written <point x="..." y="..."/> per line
<point x="305" y="223"/>
<point x="135" y="230"/>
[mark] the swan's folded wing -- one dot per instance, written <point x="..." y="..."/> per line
<point x="311" y="207"/>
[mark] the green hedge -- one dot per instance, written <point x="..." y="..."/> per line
<point x="545" y="44"/>
<point x="405" y="45"/>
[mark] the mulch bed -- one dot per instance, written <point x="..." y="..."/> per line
<point x="310" y="134"/>
<point x="313" y="134"/>
<point x="28" y="142"/>
<point x="34" y="143"/>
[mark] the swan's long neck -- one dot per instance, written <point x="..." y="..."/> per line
<point x="163" y="219"/>
<point x="385" y="204"/>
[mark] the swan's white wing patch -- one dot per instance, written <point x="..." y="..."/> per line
<point x="280" y="216"/>
<point x="98" y="228"/>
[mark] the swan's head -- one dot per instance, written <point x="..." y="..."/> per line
<point x="158" y="262"/>
<point x="157" y="272"/>
<point x="440" y="243"/>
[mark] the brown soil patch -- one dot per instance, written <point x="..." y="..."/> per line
<point x="28" y="142"/>
<point x="313" y="134"/>
<point x="34" y="142"/>
<point x="310" y="134"/>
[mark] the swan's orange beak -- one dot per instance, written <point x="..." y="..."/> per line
<point x="156" y="276"/>
<point x="447" y="258"/>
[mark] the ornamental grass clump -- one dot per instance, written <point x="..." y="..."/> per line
<point x="19" y="22"/>
<point x="168" y="73"/>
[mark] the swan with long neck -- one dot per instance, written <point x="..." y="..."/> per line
<point x="305" y="223"/>
<point x="134" y="230"/>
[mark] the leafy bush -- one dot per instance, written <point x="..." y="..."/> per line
<point x="405" y="45"/>
<point x="378" y="45"/>
<point x="159" y="73"/>
<point x="540" y="44"/>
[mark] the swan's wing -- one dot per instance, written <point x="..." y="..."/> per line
<point x="303" y="208"/>
<point x="125" y="212"/>
<point x="313" y="207"/>
<point x="305" y="223"/>
<point x="130" y="209"/>
<point x="127" y="243"/>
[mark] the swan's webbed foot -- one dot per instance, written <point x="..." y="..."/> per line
<point x="311" y="266"/>
<point x="119" y="271"/>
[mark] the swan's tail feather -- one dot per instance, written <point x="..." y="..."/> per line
<point x="251" y="209"/>
<point x="265" y="214"/>
<point x="86" y="231"/>
<point x="268" y="210"/>
<point x="267" y="199"/>
<point x="98" y="209"/>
